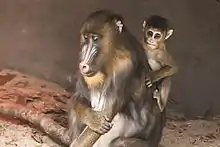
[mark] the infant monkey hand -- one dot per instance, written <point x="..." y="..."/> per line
<point x="148" y="81"/>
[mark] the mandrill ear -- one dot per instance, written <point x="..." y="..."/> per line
<point x="119" y="25"/>
<point x="169" y="33"/>
<point x="144" y="25"/>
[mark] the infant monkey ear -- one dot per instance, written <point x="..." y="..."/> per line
<point x="169" y="33"/>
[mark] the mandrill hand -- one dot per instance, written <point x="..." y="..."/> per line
<point x="97" y="122"/>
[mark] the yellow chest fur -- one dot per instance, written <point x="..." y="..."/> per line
<point x="95" y="81"/>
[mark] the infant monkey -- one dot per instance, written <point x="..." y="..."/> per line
<point x="156" y="32"/>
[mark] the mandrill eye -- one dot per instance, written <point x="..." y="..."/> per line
<point x="149" y="33"/>
<point x="95" y="37"/>
<point x="157" y="36"/>
<point x="85" y="37"/>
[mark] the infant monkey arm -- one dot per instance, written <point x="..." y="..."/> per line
<point x="169" y="67"/>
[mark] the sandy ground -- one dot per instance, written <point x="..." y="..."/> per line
<point x="192" y="133"/>
<point x="49" y="98"/>
<point x="14" y="135"/>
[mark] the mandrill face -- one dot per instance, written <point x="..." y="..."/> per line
<point x="98" y="35"/>
<point x="90" y="50"/>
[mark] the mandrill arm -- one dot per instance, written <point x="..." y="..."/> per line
<point x="95" y="120"/>
<point x="82" y="111"/>
<point x="88" y="137"/>
<point x="80" y="107"/>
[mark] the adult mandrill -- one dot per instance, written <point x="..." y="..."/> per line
<point x="111" y="106"/>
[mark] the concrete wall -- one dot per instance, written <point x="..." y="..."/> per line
<point x="40" y="37"/>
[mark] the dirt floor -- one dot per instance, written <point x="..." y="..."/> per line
<point x="50" y="99"/>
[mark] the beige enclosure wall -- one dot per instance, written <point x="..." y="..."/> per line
<point x="40" y="37"/>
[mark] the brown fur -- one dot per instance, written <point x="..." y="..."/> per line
<point x="120" y="62"/>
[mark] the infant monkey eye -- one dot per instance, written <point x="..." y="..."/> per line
<point x="157" y="36"/>
<point x="150" y="33"/>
